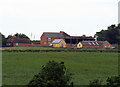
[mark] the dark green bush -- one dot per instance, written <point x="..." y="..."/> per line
<point x="53" y="74"/>
<point x="96" y="83"/>
<point x="113" y="81"/>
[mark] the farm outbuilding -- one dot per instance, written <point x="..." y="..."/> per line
<point x="58" y="43"/>
<point x="94" y="44"/>
<point x="18" y="41"/>
<point x="15" y="41"/>
<point x="48" y="37"/>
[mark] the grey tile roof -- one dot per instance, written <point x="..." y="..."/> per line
<point x="56" y="35"/>
<point x="65" y="36"/>
<point x="56" y="41"/>
<point x="53" y="35"/>
<point x="93" y="42"/>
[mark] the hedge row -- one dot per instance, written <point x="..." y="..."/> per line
<point x="60" y="51"/>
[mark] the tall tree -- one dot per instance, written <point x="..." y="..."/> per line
<point x="111" y="34"/>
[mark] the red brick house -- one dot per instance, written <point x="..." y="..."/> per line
<point x="18" y="41"/>
<point x="48" y="37"/>
<point x="95" y="44"/>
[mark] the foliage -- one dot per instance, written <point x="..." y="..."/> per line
<point x="111" y="34"/>
<point x="113" y="81"/>
<point x="51" y="49"/>
<point x="21" y="35"/>
<point x="95" y="83"/>
<point x="52" y="75"/>
<point x="36" y="41"/>
<point x="3" y="39"/>
<point x="9" y="36"/>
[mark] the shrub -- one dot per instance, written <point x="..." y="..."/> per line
<point x="113" y="81"/>
<point x="96" y="83"/>
<point x="53" y="74"/>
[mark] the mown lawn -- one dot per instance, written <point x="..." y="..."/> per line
<point x="20" y="67"/>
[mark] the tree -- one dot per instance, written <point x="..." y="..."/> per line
<point x="53" y="74"/>
<point x="111" y="34"/>
<point x="9" y="36"/>
<point x="3" y="39"/>
<point x="21" y="35"/>
<point x="84" y="35"/>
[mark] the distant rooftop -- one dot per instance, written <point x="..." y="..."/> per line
<point x="62" y="35"/>
<point x="93" y="42"/>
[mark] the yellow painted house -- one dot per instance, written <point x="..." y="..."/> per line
<point x="79" y="45"/>
<point x="58" y="43"/>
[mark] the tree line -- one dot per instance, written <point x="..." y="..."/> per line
<point x="112" y="34"/>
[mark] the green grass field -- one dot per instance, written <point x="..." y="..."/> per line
<point x="20" y="67"/>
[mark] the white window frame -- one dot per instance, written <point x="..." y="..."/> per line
<point x="49" y="39"/>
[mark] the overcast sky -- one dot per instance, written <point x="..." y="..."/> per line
<point x="76" y="17"/>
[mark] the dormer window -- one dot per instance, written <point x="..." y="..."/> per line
<point x="49" y="39"/>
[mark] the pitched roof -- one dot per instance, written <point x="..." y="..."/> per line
<point x="93" y="42"/>
<point x="56" y="35"/>
<point x="14" y="39"/>
<point x="57" y="41"/>
<point x="81" y="37"/>
<point x="64" y="35"/>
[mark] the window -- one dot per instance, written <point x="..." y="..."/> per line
<point x="49" y="39"/>
<point x="105" y="46"/>
<point x="108" y="45"/>
<point x="16" y="44"/>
